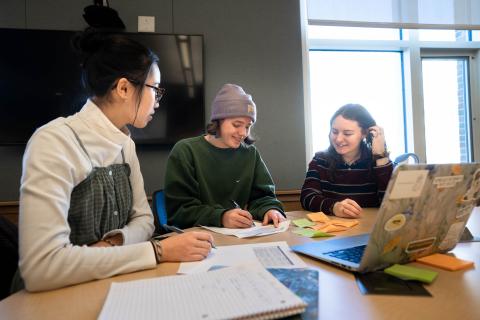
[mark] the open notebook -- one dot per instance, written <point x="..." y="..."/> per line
<point x="243" y="292"/>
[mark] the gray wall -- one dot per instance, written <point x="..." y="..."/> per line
<point x="253" y="43"/>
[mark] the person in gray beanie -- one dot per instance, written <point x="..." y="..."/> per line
<point x="219" y="179"/>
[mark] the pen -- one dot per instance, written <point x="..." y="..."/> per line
<point x="238" y="207"/>
<point x="173" y="228"/>
<point x="235" y="204"/>
<point x="178" y="230"/>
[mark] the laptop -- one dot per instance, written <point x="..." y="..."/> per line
<point x="424" y="211"/>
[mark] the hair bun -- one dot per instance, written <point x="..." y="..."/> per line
<point x="89" y="42"/>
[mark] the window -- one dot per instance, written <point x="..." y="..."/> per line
<point x="370" y="78"/>
<point x="446" y="109"/>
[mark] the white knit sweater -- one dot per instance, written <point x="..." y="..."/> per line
<point x="53" y="164"/>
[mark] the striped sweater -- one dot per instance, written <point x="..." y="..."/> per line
<point x="319" y="192"/>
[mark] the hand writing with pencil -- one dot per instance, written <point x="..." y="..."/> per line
<point x="237" y="218"/>
<point x="188" y="246"/>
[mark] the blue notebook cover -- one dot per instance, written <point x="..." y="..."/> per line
<point x="304" y="283"/>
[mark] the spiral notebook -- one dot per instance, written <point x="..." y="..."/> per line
<point x="243" y="292"/>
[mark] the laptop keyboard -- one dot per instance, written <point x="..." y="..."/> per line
<point x="353" y="254"/>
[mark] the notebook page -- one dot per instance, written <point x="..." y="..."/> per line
<point x="227" y="293"/>
<point x="268" y="254"/>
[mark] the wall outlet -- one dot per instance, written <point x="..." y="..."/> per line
<point x="146" y="24"/>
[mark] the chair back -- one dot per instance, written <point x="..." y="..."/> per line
<point x="405" y="157"/>
<point x="9" y="254"/>
<point x="159" y="211"/>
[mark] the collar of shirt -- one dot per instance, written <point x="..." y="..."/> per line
<point x="358" y="164"/>
<point x="94" y="117"/>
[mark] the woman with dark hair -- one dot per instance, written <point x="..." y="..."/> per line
<point x="354" y="171"/>
<point x="84" y="214"/>
<point x="219" y="179"/>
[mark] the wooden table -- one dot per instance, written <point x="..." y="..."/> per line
<point x="456" y="295"/>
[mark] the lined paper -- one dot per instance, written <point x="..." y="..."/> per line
<point x="227" y="293"/>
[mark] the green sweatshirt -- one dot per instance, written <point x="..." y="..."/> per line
<point x="201" y="181"/>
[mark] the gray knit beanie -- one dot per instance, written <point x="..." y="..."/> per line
<point x="231" y="101"/>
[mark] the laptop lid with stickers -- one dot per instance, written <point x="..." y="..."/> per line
<point x="424" y="211"/>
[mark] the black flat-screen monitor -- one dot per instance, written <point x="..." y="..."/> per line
<point x="40" y="80"/>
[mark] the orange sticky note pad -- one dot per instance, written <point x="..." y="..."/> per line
<point x="345" y="223"/>
<point x="333" y="228"/>
<point x="446" y="262"/>
<point x="318" y="217"/>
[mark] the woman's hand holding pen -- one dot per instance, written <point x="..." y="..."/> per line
<point x="237" y="218"/>
<point x="273" y="215"/>
<point x="188" y="246"/>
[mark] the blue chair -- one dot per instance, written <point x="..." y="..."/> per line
<point x="159" y="211"/>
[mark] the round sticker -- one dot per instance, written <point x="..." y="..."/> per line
<point x="395" y="222"/>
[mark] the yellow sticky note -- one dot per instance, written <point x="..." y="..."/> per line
<point x="411" y="273"/>
<point x="318" y="217"/>
<point x="319" y="226"/>
<point x="312" y="233"/>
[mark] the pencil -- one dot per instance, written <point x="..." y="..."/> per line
<point x="238" y="207"/>
<point x="178" y="230"/>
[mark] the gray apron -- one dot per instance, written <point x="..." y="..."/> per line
<point x="100" y="203"/>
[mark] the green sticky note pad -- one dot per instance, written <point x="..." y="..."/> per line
<point x="312" y="233"/>
<point x="411" y="273"/>
<point x="303" y="223"/>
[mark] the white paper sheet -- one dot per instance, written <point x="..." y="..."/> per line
<point x="256" y="231"/>
<point x="268" y="255"/>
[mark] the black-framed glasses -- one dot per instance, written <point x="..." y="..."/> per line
<point x="159" y="92"/>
